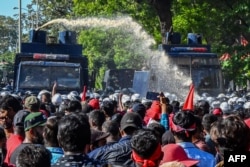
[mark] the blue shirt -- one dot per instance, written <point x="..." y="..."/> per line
<point x="165" y="121"/>
<point x="205" y="159"/>
<point x="56" y="153"/>
<point x="115" y="153"/>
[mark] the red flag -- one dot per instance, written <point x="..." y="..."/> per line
<point x="189" y="102"/>
<point x="243" y="41"/>
<point x="84" y="93"/>
<point x="225" y="56"/>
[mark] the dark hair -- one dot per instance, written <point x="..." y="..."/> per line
<point x="176" y="106"/>
<point x="97" y="117"/>
<point x="34" y="155"/>
<point x="73" y="132"/>
<point x="47" y="96"/>
<point x="158" y="129"/>
<point x="117" y="117"/>
<point x="230" y="134"/>
<point x="169" y="108"/>
<point x="49" y="107"/>
<point x="144" y="142"/>
<point x="4" y="149"/>
<point x="207" y="121"/>
<point x="86" y="108"/>
<point x="74" y="106"/>
<point x="140" y="109"/>
<point x="167" y="138"/>
<point x="8" y="102"/>
<point x="111" y="127"/>
<point x="50" y="131"/>
<point x="63" y="106"/>
<point x="184" y="119"/>
<point x="202" y="107"/>
<point x="108" y="108"/>
<point x="147" y="104"/>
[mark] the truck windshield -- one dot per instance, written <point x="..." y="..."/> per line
<point x="204" y="71"/>
<point x="44" y="76"/>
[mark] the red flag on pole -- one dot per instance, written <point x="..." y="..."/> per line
<point x="189" y="102"/>
<point x="84" y="93"/>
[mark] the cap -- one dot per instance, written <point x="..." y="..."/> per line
<point x="31" y="100"/>
<point x="154" y="111"/>
<point x="247" y="122"/>
<point x="97" y="135"/>
<point x="139" y="108"/>
<point x="131" y="119"/>
<point x="19" y="118"/>
<point x="217" y="111"/>
<point x="94" y="103"/>
<point x="34" y="119"/>
<point x="174" y="152"/>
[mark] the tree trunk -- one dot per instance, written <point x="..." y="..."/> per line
<point x="163" y="9"/>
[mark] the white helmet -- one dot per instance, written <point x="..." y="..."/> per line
<point x="125" y="98"/>
<point x="210" y="99"/>
<point x="241" y="100"/>
<point x="57" y="99"/>
<point x="39" y="96"/>
<point x="96" y="95"/>
<point x="64" y="97"/>
<point x="136" y="97"/>
<point x="247" y="105"/>
<point x="215" y="104"/>
<point x="73" y="95"/>
<point x="221" y="95"/>
<point x="106" y="99"/>
<point x="4" y="93"/>
<point x="205" y="94"/>
<point x="225" y="107"/>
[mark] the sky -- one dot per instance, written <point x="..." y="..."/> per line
<point x="6" y="6"/>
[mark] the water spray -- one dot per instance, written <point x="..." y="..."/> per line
<point x="167" y="78"/>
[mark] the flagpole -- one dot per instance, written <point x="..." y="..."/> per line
<point x="20" y="27"/>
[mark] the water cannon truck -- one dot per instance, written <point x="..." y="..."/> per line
<point x="193" y="60"/>
<point x="45" y="60"/>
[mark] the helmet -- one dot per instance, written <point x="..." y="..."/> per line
<point x="64" y="97"/>
<point x="225" y="107"/>
<point x="125" y="99"/>
<point x="105" y="99"/>
<point x="96" y="95"/>
<point x="210" y="99"/>
<point x="39" y="96"/>
<point x="215" y="104"/>
<point x="4" y="93"/>
<point x="241" y="100"/>
<point x="73" y="95"/>
<point x="247" y="105"/>
<point x="221" y="95"/>
<point x="136" y="97"/>
<point x="57" y="99"/>
<point x="204" y="94"/>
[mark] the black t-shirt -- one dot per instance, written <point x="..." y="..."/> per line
<point x="78" y="160"/>
<point x="16" y="152"/>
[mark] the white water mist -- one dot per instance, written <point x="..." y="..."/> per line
<point x="165" y="76"/>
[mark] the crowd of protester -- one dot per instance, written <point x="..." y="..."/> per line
<point x="77" y="130"/>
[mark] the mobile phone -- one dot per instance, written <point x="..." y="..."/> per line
<point x="152" y="95"/>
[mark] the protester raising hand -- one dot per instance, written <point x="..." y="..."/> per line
<point x="164" y="114"/>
